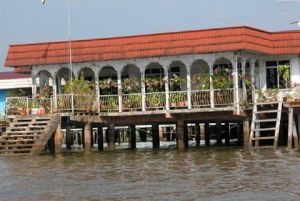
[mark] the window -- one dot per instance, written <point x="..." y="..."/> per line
<point x="274" y="77"/>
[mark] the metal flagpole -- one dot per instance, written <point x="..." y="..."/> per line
<point x="69" y="37"/>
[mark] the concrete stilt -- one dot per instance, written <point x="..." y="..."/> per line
<point x="100" y="138"/>
<point x="246" y="133"/>
<point x="197" y="132"/>
<point x="207" y="134"/>
<point x="186" y="136"/>
<point x="227" y="134"/>
<point x="69" y="137"/>
<point x="155" y="136"/>
<point x="161" y="133"/>
<point x="58" y="139"/>
<point x="87" y="136"/>
<point x="132" y="137"/>
<point x="219" y="133"/>
<point x="180" y="134"/>
<point x="240" y="133"/>
<point x="111" y="136"/>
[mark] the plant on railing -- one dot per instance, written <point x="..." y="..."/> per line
<point x="222" y="78"/>
<point x="44" y="92"/>
<point x="132" y="101"/>
<point x="177" y="100"/>
<point x="201" y="81"/>
<point x="131" y="85"/>
<point x="267" y="95"/>
<point x="175" y="82"/>
<point x="155" y="100"/>
<point x="154" y="84"/>
<point x="80" y="89"/>
<point x="108" y="86"/>
<point x="78" y="86"/>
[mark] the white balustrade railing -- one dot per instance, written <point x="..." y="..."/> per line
<point x="85" y="103"/>
<point x="223" y="97"/>
<point x="132" y="102"/>
<point x="64" y="103"/>
<point x="109" y="103"/>
<point x="178" y="99"/>
<point x="200" y="98"/>
<point x="155" y="100"/>
<point x="24" y="105"/>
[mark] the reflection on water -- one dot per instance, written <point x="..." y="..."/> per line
<point x="196" y="174"/>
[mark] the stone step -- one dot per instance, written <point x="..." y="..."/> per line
<point x="15" y="145"/>
<point x="14" y="150"/>
<point x="18" y="140"/>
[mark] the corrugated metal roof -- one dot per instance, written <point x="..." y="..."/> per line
<point x="163" y="44"/>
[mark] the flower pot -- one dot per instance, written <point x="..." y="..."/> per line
<point x="42" y="111"/>
<point x="34" y="111"/>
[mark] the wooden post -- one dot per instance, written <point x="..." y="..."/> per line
<point x="207" y="133"/>
<point x="239" y="132"/>
<point x="155" y="136"/>
<point x="197" y="132"/>
<point x="132" y="137"/>
<point x="58" y="139"/>
<point x="219" y="130"/>
<point x="246" y="133"/>
<point x="186" y="136"/>
<point x="180" y="134"/>
<point x="290" y="128"/>
<point x="100" y="138"/>
<point x="295" y="136"/>
<point x="111" y="136"/>
<point x="227" y="134"/>
<point x="87" y="136"/>
<point x="161" y="133"/>
<point x="69" y="137"/>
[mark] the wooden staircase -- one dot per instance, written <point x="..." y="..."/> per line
<point x="28" y="135"/>
<point x="265" y="124"/>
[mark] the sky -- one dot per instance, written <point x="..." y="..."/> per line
<point x="27" y="21"/>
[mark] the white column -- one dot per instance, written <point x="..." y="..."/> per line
<point x="120" y="91"/>
<point x="235" y="75"/>
<point x="211" y="85"/>
<point x="34" y="87"/>
<point x="97" y="90"/>
<point x="188" y="84"/>
<point x="167" y="89"/>
<point x="243" y="82"/>
<point x="252" y="68"/>
<point x="143" y="88"/>
<point x="54" y="90"/>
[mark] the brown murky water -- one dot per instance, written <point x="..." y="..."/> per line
<point x="195" y="174"/>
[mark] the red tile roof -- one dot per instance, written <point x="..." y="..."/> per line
<point x="163" y="44"/>
<point x="13" y="75"/>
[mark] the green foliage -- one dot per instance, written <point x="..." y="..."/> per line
<point x="108" y="86"/>
<point x="202" y="81"/>
<point x="222" y="78"/>
<point x="284" y="72"/>
<point x="154" y="84"/>
<point x="131" y="85"/>
<point x="175" y="82"/>
<point x="78" y="86"/>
